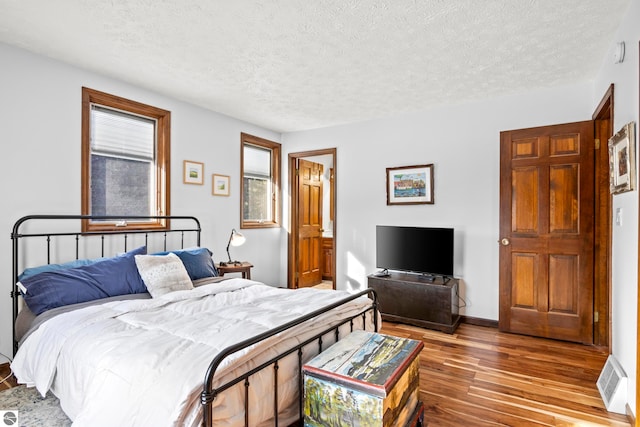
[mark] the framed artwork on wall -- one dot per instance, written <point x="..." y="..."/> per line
<point x="193" y="172"/>
<point x="220" y="185"/>
<point x="410" y="185"/>
<point x="622" y="160"/>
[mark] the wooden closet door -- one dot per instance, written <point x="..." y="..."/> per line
<point x="309" y="223"/>
<point x="547" y="231"/>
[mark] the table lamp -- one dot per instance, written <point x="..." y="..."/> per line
<point x="236" y="239"/>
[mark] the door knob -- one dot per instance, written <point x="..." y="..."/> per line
<point x="505" y="241"/>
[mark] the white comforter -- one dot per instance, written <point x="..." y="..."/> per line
<point x="142" y="362"/>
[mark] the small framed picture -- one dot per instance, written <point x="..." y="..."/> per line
<point x="622" y="160"/>
<point x="220" y="185"/>
<point x="193" y="172"/>
<point x="410" y="185"/>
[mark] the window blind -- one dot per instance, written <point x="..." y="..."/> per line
<point x="121" y="134"/>
<point x="257" y="161"/>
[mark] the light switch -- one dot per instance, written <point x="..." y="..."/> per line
<point x="619" y="217"/>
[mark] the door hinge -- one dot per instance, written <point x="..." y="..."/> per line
<point x="596" y="317"/>
<point x="597" y="143"/>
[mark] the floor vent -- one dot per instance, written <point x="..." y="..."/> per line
<point x="612" y="384"/>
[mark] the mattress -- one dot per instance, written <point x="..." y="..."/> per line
<point x="143" y="361"/>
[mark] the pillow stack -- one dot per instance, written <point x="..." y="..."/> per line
<point x="103" y="278"/>
<point x="56" y="285"/>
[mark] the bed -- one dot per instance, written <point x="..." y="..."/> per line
<point x="188" y="348"/>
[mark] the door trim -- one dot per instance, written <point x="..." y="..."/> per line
<point x="292" y="249"/>
<point x="603" y="130"/>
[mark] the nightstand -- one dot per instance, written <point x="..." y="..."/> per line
<point x="238" y="267"/>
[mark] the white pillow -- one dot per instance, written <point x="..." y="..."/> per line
<point x="163" y="273"/>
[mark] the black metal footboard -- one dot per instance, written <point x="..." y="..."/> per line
<point x="209" y="393"/>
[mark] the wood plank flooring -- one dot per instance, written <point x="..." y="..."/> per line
<point x="479" y="376"/>
<point x="10" y="381"/>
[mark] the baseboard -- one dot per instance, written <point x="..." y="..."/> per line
<point x="479" y="321"/>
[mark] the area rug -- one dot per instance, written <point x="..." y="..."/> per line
<point x="32" y="409"/>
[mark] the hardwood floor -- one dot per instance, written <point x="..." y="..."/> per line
<point x="479" y="376"/>
<point x="4" y="373"/>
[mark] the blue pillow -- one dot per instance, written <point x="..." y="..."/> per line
<point x="31" y="271"/>
<point x="197" y="261"/>
<point x="106" y="278"/>
<point x="71" y="264"/>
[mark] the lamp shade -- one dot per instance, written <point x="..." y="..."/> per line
<point x="237" y="239"/>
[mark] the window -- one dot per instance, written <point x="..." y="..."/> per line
<point x="260" y="192"/>
<point x="125" y="160"/>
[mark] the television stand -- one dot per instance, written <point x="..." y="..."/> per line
<point x="428" y="278"/>
<point x="420" y="300"/>
<point x="382" y="273"/>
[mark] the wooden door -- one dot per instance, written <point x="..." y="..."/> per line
<point x="309" y="223"/>
<point x="546" y="231"/>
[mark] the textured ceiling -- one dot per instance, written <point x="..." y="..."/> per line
<point x="299" y="64"/>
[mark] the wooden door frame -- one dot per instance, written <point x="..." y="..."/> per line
<point x="603" y="130"/>
<point x="292" y="249"/>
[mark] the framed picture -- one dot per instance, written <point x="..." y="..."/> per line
<point x="220" y="185"/>
<point x="410" y="185"/>
<point x="622" y="160"/>
<point x="193" y="172"/>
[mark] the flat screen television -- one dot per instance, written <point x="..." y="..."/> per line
<point x="415" y="249"/>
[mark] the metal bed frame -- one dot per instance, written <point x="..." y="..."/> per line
<point x="209" y="391"/>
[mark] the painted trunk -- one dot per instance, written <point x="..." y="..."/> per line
<point x="365" y="379"/>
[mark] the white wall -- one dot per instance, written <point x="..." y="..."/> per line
<point x="625" y="237"/>
<point x="40" y="113"/>
<point x="463" y="143"/>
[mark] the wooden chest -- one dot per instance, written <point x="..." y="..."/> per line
<point x="365" y="379"/>
<point x="409" y="298"/>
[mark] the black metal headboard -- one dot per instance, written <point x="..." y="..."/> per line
<point x="60" y="238"/>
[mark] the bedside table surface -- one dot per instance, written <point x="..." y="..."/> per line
<point x="243" y="267"/>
